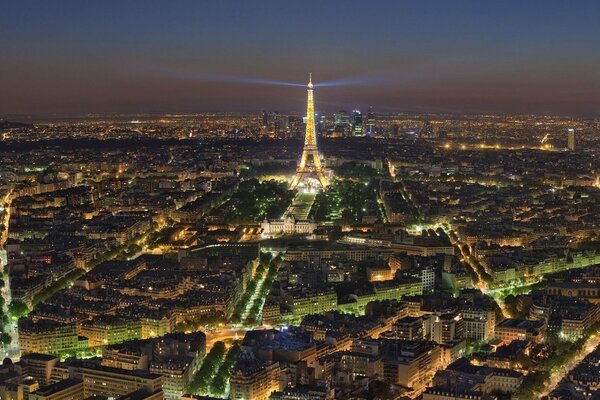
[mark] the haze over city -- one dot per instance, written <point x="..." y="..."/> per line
<point x="189" y="56"/>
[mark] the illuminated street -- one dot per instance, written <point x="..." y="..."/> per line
<point x="557" y="375"/>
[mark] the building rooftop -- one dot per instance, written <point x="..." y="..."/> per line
<point x="58" y="387"/>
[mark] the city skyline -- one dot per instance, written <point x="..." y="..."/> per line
<point x="156" y="57"/>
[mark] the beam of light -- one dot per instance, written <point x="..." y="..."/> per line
<point x="378" y="78"/>
<point x="200" y="76"/>
<point x="354" y="81"/>
<point x="255" y="81"/>
<point x="209" y="77"/>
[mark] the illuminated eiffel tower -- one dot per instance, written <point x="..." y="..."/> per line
<point x="307" y="171"/>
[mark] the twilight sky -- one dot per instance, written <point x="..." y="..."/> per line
<point x="75" y="57"/>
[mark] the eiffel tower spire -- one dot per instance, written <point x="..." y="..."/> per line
<point x="310" y="151"/>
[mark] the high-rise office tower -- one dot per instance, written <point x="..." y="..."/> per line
<point x="296" y="126"/>
<point x="341" y="118"/>
<point x="342" y="123"/>
<point x="357" y="123"/>
<point x="370" y="121"/>
<point x="571" y="139"/>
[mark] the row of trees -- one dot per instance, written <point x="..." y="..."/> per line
<point x="258" y="288"/>
<point x="562" y="352"/>
<point x="480" y="269"/>
<point x="460" y="250"/>
<point x="4" y="320"/>
<point x="240" y="306"/>
<point x="210" y="366"/>
<point x="265" y="288"/>
<point x="417" y="216"/>
<point x="195" y="324"/>
<point x="60" y="285"/>
<point x="130" y="247"/>
<point x="218" y="386"/>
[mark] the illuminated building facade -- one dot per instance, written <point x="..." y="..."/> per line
<point x="257" y="381"/>
<point x="571" y="139"/>
<point x="289" y="225"/>
<point x="447" y="328"/>
<point x="370" y="122"/>
<point x="47" y="337"/>
<point x="357" y="123"/>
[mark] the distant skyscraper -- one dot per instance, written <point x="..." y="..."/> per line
<point x="342" y="123"/>
<point x="357" y="123"/>
<point x="265" y="119"/>
<point x="274" y="117"/>
<point x="341" y="118"/>
<point x="282" y="122"/>
<point x="296" y="126"/>
<point x="571" y="139"/>
<point x="321" y="121"/>
<point x="275" y="122"/>
<point x="370" y="121"/>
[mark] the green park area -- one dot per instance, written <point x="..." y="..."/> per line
<point x="302" y="204"/>
<point x="345" y="201"/>
<point x="267" y="169"/>
<point x="354" y="170"/>
<point x="254" y="201"/>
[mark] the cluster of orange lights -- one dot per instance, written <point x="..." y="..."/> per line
<point x="449" y="146"/>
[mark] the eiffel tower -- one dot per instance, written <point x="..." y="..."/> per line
<point x="307" y="170"/>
